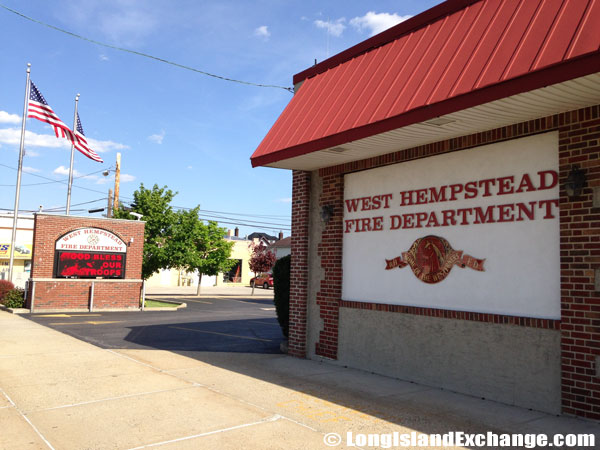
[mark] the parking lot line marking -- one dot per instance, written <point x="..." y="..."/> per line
<point x="52" y="315"/>
<point x="223" y="334"/>
<point x="67" y="315"/>
<point x="90" y="322"/>
<point x="86" y="315"/>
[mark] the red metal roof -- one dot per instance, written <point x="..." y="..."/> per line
<point x="456" y="55"/>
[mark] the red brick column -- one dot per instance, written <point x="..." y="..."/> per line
<point x="299" y="263"/>
<point x="330" y="255"/>
<point x="580" y="258"/>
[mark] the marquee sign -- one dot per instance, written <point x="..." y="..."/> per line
<point x="498" y="202"/>
<point x="90" y="253"/>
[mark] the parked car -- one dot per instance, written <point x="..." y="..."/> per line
<point x="265" y="280"/>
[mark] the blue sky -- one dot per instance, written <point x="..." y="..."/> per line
<point x="173" y="127"/>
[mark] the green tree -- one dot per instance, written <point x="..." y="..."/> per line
<point x="199" y="246"/>
<point x="155" y="206"/>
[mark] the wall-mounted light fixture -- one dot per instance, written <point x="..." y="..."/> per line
<point x="326" y="213"/>
<point x="575" y="182"/>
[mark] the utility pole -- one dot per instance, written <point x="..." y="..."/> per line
<point x="117" y="180"/>
<point x="109" y="207"/>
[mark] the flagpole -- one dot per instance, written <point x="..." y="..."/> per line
<point x="72" y="153"/>
<point x="19" y="170"/>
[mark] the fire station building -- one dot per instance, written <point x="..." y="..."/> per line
<point x="446" y="203"/>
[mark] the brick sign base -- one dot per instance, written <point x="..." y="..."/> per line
<point x="47" y="293"/>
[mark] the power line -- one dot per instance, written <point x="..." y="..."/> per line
<point x="256" y="216"/>
<point x="261" y="216"/>
<point x="204" y="214"/>
<point x="48" y="182"/>
<point x="218" y="216"/>
<point x="35" y="210"/>
<point x="251" y="225"/>
<point x="239" y="221"/>
<point x="210" y="217"/>
<point x="54" y="181"/>
<point x="145" y="55"/>
<point x="61" y="208"/>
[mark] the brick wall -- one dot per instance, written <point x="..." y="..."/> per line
<point x="330" y="254"/>
<point x="299" y="263"/>
<point x="75" y="294"/>
<point x="579" y="258"/>
<point x="579" y="134"/>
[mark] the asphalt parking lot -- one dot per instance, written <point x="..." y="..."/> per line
<point x="212" y="323"/>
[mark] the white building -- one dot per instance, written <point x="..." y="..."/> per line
<point x="23" y="247"/>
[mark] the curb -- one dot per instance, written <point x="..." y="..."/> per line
<point x="181" y="305"/>
<point x="15" y="310"/>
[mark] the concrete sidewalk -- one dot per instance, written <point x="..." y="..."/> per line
<point x="62" y="393"/>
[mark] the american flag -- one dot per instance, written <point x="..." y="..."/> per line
<point x="38" y="109"/>
<point x="81" y="144"/>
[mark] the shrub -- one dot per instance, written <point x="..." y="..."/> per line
<point x="281" y="287"/>
<point x="5" y="286"/>
<point x="14" y="298"/>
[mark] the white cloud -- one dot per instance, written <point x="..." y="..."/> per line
<point x="106" y="180"/>
<point x="262" y="32"/>
<point x="377" y="22"/>
<point x="13" y="136"/>
<point x="62" y="170"/>
<point x="30" y="169"/>
<point x="190" y="167"/>
<point x="124" y="21"/>
<point x="126" y="178"/>
<point x="105" y="146"/>
<point x="284" y="200"/>
<point x="157" y="138"/>
<point x="333" y="28"/>
<point x="103" y="57"/>
<point x="9" y="118"/>
<point x="31" y="153"/>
